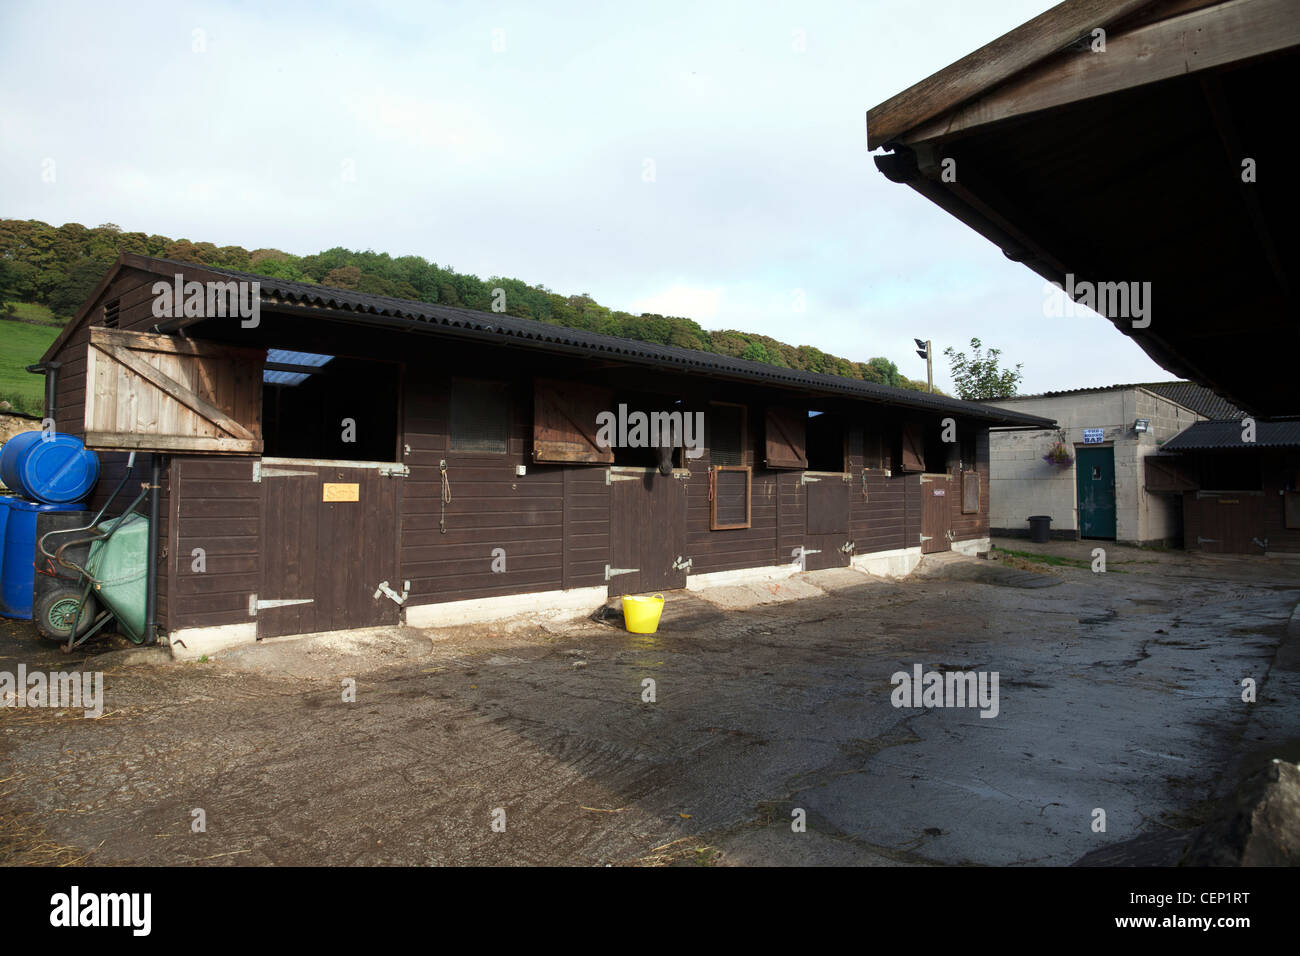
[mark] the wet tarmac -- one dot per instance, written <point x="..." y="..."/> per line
<point x="768" y="735"/>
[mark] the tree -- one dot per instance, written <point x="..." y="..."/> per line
<point x="8" y="286"/>
<point x="74" y="290"/>
<point x="979" y="376"/>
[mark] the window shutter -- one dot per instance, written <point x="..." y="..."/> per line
<point x="564" y="422"/>
<point x="970" y="492"/>
<point x="149" y="392"/>
<point x="730" y="507"/>
<point x="1166" y="473"/>
<point x="913" y="447"/>
<point x="786" y="433"/>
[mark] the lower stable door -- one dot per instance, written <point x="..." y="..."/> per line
<point x="826" y="542"/>
<point x="647" y="531"/>
<point x="329" y="548"/>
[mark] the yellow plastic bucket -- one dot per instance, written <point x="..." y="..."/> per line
<point x="641" y="612"/>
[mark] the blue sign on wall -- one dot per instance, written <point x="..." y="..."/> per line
<point x="1094" y="436"/>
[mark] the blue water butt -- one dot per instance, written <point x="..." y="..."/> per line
<point x="18" y="570"/>
<point x="52" y="469"/>
<point x="4" y="521"/>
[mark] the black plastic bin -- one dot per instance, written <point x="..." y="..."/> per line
<point x="1040" y="528"/>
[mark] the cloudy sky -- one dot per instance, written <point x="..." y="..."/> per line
<point x="705" y="159"/>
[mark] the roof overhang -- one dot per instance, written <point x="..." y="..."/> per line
<point x="324" y="304"/>
<point x="1126" y="166"/>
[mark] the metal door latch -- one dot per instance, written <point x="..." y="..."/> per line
<point x="683" y="564"/>
<point x="948" y="535"/>
<point x="254" y="605"/>
<point x="383" y="588"/>
<point x="847" y="547"/>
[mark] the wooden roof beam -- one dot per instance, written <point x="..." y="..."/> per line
<point x="1203" y="39"/>
<point x="992" y="63"/>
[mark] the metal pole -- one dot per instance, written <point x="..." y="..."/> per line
<point x="151" y="572"/>
<point x="929" y="366"/>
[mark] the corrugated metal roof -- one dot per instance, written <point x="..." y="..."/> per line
<point x="1188" y="394"/>
<point x="533" y="333"/>
<point x="1198" y="398"/>
<point x="1224" y="436"/>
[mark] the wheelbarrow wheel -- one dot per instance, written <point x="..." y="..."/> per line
<point x="56" y="610"/>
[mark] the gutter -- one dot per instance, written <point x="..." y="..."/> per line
<point x="51" y="372"/>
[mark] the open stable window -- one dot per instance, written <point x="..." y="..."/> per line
<point x="729" y="497"/>
<point x="480" y="417"/>
<point x="876" y="446"/>
<point x="329" y="407"/>
<point x="726" y="433"/>
<point x="827" y="444"/>
<point x="1232" y="471"/>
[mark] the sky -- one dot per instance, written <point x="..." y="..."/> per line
<point x="705" y="159"/>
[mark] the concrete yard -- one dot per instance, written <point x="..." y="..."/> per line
<point x="1118" y="691"/>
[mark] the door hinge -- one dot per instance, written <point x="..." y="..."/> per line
<point x="806" y="480"/>
<point x="925" y="480"/>
<point x="683" y="564"/>
<point x="610" y="477"/>
<point x="261" y="471"/>
<point x="927" y="537"/>
<point x="1200" y="540"/>
<point x="383" y="588"/>
<point x="254" y="605"/>
<point x="610" y="572"/>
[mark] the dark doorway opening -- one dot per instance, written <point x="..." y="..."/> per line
<point x="825" y="442"/>
<point x="329" y="407"/>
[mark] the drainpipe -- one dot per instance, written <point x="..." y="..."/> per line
<point x="51" y="372"/>
<point x="151" y="573"/>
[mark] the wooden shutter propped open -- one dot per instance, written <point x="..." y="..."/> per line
<point x="1169" y="473"/>
<point x="786" y="438"/>
<point x="913" y="458"/>
<point x="149" y="392"/>
<point x="564" y="422"/>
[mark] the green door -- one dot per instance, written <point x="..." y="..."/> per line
<point x="1095" y="474"/>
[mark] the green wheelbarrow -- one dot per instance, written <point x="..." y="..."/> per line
<point x="110" y="584"/>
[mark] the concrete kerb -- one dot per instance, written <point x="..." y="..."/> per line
<point x="727" y="590"/>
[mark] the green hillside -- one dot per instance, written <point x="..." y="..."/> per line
<point x="59" y="266"/>
<point x="22" y="344"/>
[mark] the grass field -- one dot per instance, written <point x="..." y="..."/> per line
<point x="21" y="344"/>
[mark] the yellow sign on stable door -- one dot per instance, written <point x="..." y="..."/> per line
<point x="341" y="492"/>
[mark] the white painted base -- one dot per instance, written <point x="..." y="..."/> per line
<point x="898" y="563"/>
<point x="972" y="546"/>
<point x="723" y="579"/>
<point x="191" y="643"/>
<point x="572" y="603"/>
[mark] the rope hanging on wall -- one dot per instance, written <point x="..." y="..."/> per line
<point x="446" y="497"/>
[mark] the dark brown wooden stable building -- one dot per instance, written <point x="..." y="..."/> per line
<point x="1239" y="496"/>
<point x="357" y="460"/>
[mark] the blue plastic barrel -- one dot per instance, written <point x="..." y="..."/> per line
<point x="18" y="570"/>
<point x="50" y="468"/>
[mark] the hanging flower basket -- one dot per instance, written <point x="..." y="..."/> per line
<point x="1059" y="455"/>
